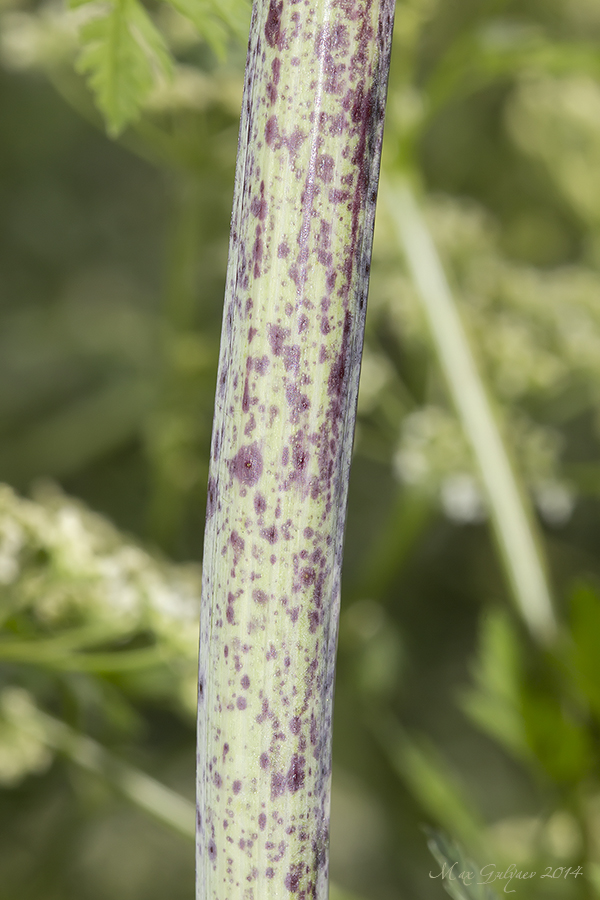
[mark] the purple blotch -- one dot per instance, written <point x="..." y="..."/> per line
<point x="270" y="534"/>
<point x="212" y="497"/>
<point x="292" y="879"/>
<point x="277" y="336"/>
<point x="259" y="596"/>
<point x="241" y="703"/>
<point x="260" y="504"/>
<point x="273" y="23"/>
<point x="264" y="761"/>
<point x="247" y="464"/>
<point x="258" y="207"/>
<point x="237" y="786"/>
<point x="291" y="358"/>
<point x="300" y="457"/>
<point x="277" y="784"/>
<point x="262" y="821"/>
<point x="297" y="402"/>
<point x="245" y="682"/>
<point x="212" y="850"/>
<point x="295" y="775"/>
<point x="324" y="167"/>
<point x="271" y="131"/>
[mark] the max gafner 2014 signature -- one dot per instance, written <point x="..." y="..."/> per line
<point x="491" y="872"/>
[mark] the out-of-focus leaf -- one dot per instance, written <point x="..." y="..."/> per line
<point x="123" y="54"/>
<point x="460" y="875"/>
<point x="216" y="22"/>
<point x="502" y="49"/>
<point x="555" y="734"/>
<point x="429" y="779"/>
<point x="494" y="703"/>
<point x="585" y="652"/>
<point x="79" y="433"/>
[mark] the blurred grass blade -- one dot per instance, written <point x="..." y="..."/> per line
<point x="512" y="524"/>
<point x="79" y="433"/>
<point x="142" y="790"/>
<point x="453" y="863"/>
<point x="429" y="779"/>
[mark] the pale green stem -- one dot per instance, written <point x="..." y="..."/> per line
<point x="513" y="525"/>
<point x="302" y="225"/>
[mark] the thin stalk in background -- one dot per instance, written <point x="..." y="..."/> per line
<point x="299" y="259"/>
<point x="513" y="525"/>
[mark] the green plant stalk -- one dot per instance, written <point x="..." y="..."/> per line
<point x="302" y="225"/>
<point x="513" y="525"/>
<point x="140" y="789"/>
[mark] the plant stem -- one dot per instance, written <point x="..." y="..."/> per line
<point x="512" y="522"/>
<point x="304" y="204"/>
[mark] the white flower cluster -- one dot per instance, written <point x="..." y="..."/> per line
<point x="68" y="570"/>
<point x="536" y="334"/>
<point x="23" y="742"/>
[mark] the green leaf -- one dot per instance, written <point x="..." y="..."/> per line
<point x="584" y="656"/>
<point x="214" y="22"/>
<point x="555" y="733"/>
<point x="459" y="874"/>
<point x="123" y="55"/>
<point x="494" y="704"/>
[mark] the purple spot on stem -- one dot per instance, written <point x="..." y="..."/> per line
<point x="277" y="784"/>
<point x="295" y="775"/>
<point x="292" y="879"/>
<point x="273" y="23"/>
<point x="247" y="464"/>
<point x="277" y="335"/>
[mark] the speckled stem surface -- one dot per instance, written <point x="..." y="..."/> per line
<point x="299" y="258"/>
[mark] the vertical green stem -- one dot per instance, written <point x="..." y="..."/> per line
<point x="513" y="526"/>
<point x="304" y="204"/>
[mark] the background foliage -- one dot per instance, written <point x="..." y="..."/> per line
<point x="112" y="262"/>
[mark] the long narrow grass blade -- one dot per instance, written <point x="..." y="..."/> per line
<point x="512" y="524"/>
<point x="145" y="792"/>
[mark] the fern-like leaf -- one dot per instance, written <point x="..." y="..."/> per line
<point x="123" y="54"/>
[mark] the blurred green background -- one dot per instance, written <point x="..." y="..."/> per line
<point x="112" y="268"/>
